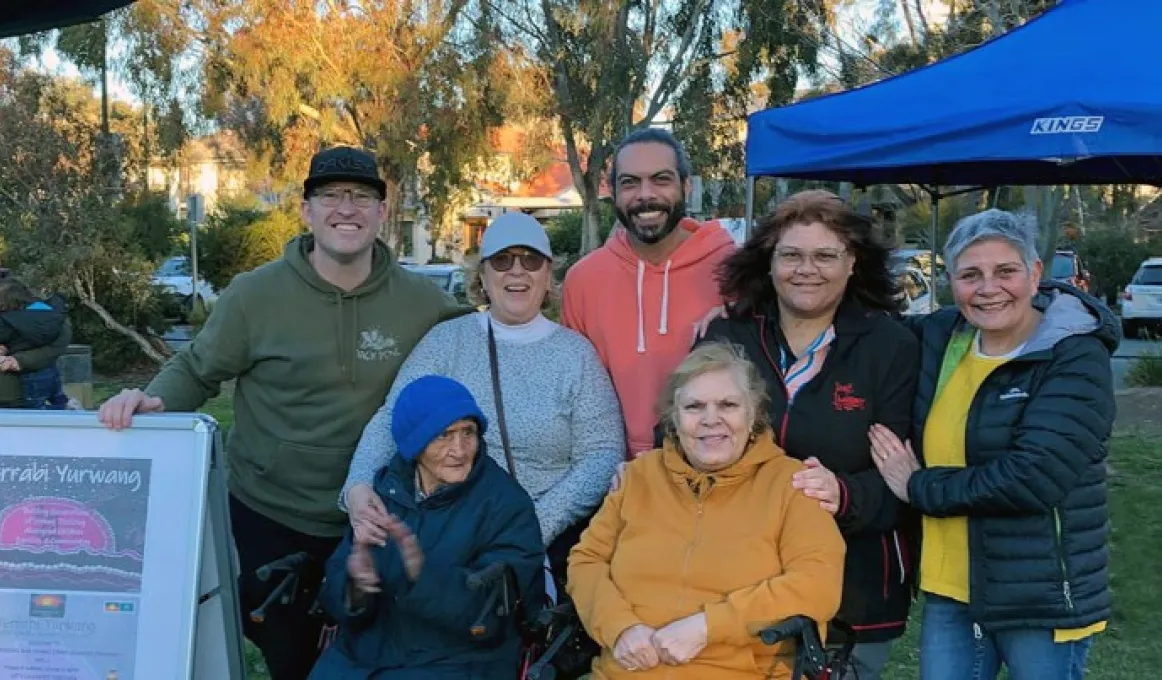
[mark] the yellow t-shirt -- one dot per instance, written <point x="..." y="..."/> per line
<point x="944" y="557"/>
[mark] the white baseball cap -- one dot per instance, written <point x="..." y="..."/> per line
<point x="514" y="229"/>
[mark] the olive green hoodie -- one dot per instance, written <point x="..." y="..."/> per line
<point x="313" y="363"/>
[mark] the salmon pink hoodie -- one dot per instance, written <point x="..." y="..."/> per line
<point x="641" y="317"/>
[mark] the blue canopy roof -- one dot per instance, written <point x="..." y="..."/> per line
<point x="1071" y="97"/>
<point x="21" y="17"/>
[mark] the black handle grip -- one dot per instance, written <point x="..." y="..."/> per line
<point x="478" y="580"/>
<point x="290" y="563"/>
<point x="788" y="629"/>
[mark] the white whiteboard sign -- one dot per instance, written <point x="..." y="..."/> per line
<point x="106" y="548"/>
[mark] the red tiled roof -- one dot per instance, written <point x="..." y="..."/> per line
<point x="554" y="180"/>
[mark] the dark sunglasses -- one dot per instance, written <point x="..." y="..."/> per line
<point x="530" y="260"/>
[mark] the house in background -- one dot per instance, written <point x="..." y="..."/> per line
<point x="505" y="185"/>
<point x="213" y="167"/>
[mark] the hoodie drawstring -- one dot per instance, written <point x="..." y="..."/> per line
<point x="664" y="323"/>
<point x="665" y="300"/>
<point x="347" y="339"/>
<point x="341" y="334"/>
<point x="641" y="319"/>
<point x="354" y="338"/>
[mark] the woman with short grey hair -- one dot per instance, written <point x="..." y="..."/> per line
<point x="1006" y="462"/>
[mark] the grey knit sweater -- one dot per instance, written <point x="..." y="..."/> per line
<point x="564" y="420"/>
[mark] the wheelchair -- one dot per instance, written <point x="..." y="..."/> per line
<point x="551" y="631"/>
<point x="551" y="647"/>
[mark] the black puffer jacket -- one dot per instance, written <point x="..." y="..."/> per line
<point x="1034" y="489"/>
<point x="869" y="376"/>
<point x="25" y="329"/>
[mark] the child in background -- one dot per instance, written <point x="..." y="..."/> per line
<point x="27" y="323"/>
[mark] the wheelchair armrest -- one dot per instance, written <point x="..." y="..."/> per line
<point x="812" y="659"/>
<point x="793" y="628"/>
<point x="479" y="580"/>
<point x="552" y="615"/>
<point x="503" y="600"/>
<point x="290" y="563"/>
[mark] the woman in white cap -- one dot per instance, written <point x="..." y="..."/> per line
<point x="560" y="429"/>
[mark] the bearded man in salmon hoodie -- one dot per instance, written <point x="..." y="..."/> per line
<point x="641" y="297"/>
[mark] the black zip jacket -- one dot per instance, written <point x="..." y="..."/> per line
<point x="1034" y="489"/>
<point x="868" y="377"/>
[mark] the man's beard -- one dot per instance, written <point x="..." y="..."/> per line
<point x="652" y="235"/>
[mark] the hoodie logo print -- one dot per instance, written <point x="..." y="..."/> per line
<point x="375" y="346"/>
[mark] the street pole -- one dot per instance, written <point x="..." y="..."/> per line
<point x="192" y="214"/>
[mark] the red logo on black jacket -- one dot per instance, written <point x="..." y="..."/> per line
<point x="844" y="399"/>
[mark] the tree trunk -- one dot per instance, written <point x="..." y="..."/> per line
<point x="907" y="10"/>
<point x="150" y="349"/>
<point x="389" y="232"/>
<point x="1045" y="202"/>
<point x="923" y="20"/>
<point x="590" y="225"/>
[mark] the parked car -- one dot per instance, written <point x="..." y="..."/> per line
<point x="449" y="277"/>
<point x="175" y="277"/>
<point x="1067" y="268"/>
<point x="915" y="294"/>
<point x="917" y="258"/>
<point x="1142" y="298"/>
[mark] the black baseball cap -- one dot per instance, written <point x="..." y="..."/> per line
<point x="343" y="164"/>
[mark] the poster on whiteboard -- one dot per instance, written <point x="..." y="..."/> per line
<point x="104" y="538"/>
<point x="72" y="543"/>
<point x="74" y="524"/>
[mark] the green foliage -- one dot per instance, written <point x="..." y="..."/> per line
<point x="238" y="238"/>
<point x="113" y="352"/>
<point x="1146" y="370"/>
<point x="1112" y="256"/>
<point x="63" y="228"/>
<point x="565" y="235"/>
<point x="151" y="225"/>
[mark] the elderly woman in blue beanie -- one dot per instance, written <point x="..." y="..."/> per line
<point x="404" y="607"/>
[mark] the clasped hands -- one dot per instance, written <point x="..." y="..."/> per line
<point x="361" y="563"/>
<point x="640" y="647"/>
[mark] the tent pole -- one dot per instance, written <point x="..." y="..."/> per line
<point x="934" y="193"/>
<point x="749" y="204"/>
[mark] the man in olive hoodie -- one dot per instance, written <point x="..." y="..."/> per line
<point x="314" y="341"/>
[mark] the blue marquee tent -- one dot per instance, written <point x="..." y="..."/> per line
<point x="1071" y="97"/>
<point x="20" y="17"/>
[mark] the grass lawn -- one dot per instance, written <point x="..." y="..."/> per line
<point x="1126" y="650"/>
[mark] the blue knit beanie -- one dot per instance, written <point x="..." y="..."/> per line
<point x="425" y="408"/>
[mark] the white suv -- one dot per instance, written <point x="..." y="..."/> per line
<point x="1142" y="299"/>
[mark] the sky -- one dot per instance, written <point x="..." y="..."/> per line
<point x="50" y="62"/>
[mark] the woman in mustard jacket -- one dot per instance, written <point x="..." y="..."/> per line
<point x="705" y="542"/>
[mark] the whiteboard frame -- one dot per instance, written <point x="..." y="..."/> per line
<point x="213" y="518"/>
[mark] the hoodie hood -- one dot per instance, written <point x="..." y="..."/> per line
<point x="346" y="318"/>
<point x="297" y="254"/>
<point x="761" y="449"/>
<point x="641" y="317"/>
<point x="35" y="326"/>
<point x="1067" y="312"/>
<point x="704" y="241"/>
